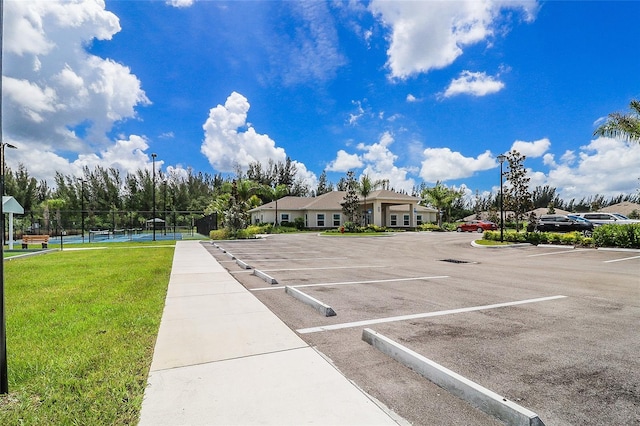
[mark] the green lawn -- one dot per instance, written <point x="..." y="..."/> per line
<point x="81" y="328"/>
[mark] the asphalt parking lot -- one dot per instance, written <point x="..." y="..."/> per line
<point x="553" y="329"/>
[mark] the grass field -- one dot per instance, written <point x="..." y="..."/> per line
<point x="81" y="328"/>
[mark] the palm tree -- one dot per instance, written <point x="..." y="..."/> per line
<point x="623" y="126"/>
<point x="441" y="198"/>
<point x="365" y="187"/>
<point x="275" y="193"/>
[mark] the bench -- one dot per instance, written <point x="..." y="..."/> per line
<point x="34" y="239"/>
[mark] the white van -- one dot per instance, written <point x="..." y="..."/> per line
<point x="601" y="218"/>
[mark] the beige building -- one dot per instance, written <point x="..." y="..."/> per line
<point x="382" y="208"/>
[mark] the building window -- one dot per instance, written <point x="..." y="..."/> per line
<point x="406" y="220"/>
<point x="394" y="220"/>
<point x="284" y="218"/>
<point x="419" y="219"/>
<point x="336" y="219"/>
<point x="320" y="219"/>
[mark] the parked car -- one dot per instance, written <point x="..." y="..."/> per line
<point x="561" y="223"/>
<point x="477" y="226"/>
<point x="601" y="218"/>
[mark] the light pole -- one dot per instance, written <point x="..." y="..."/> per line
<point x="4" y="377"/>
<point x="153" y="196"/>
<point x="501" y="159"/>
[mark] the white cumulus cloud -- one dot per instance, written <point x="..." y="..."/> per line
<point x="427" y="35"/>
<point x="124" y="155"/>
<point x="58" y="97"/>
<point x="605" y="166"/>
<point x="344" y="162"/>
<point x="378" y="161"/>
<point x="442" y="164"/>
<point x="230" y="141"/>
<point x="473" y="83"/>
<point x="533" y="149"/>
<point x="180" y="3"/>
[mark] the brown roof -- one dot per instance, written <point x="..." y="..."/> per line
<point x="624" y="208"/>
<point x="333" y="201"/>
<point x="392" y="195"/>
<point x="545" y="210"/>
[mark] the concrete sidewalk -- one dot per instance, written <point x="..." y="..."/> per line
<point x="223" y="358"/>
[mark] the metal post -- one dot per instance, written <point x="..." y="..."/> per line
<point x="501" y="159"/>
<point x="82" y="207"/>
<point x="164" y="208"/>
<point x="4" y="377"/>
<point x="153" y="219"/>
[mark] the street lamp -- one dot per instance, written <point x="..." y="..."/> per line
<point x="4" y="378"/>
<point x="501" y="159"/>
<point x="153" y="197"/>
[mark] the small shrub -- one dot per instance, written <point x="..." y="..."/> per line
<point x="350" y="226"/>
<point x="219" y="234"/>
<point x="429" y="227"/>
<point x="299" y="223"/>
<point x="372" y="228"/>
<point x="537" y="237"/>
<point x="555" y="238"/>
<point x="587" y="242"/>
<point x="571" y="238"/>
<point x="491" y="235"/>
<point x="450" y="226"/>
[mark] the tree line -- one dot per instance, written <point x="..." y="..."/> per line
<point x="102" y="193"/>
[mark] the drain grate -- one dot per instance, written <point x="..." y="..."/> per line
<point x="454" y="261"/>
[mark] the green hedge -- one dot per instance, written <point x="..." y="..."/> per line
<point x="625" y="236"/>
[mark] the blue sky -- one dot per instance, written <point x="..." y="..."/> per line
<point x="410" y="91"/>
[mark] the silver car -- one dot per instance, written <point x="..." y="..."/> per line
<point x="602" y="218"/>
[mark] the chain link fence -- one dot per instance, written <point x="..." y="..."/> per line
<point x="94" y="225"/>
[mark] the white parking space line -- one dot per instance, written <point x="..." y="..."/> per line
<point x="291" y="260"/>
<point x="353" y="282"/>
<point x="622" y="260"/>
<point x="329" y="267"/>
<point x="559" y="252"/>
<point x="423" y="315"/>
<point x="261" y="253"/>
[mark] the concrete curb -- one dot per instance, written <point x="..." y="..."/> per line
<point x="478" y="396"/>
<point x="242" y="264"/>
<point x="270" y="280"/>
<point x="620" y="249"/>
<point x="323" y="308"/>
<point x="474" y="244"/>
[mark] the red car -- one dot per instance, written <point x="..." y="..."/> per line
<point x="477" y="226"/>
